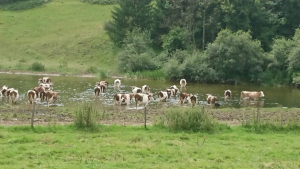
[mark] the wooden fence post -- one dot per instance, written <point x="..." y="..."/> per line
<point x="257" y="115"/>
<point x="32" y="114"/>
<point x="145" y="112"/>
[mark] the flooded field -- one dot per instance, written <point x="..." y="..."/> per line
<point x="73" y="91"/>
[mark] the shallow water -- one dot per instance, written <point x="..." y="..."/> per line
<point x="75" y="90"/>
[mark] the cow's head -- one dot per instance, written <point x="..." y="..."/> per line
<point x="262" y="94"/>
<point x="150" y="97"/>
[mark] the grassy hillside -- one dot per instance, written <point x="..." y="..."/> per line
<point x="66" y="36"/>
<point x="134" y="147"/>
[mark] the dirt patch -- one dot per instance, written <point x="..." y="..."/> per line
<point x="46" y="116"/>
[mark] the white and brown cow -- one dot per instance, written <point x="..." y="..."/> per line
<point x="44" y="80"/>
<point x="127" y="98"/>
<point x="3" y="91"/>
<point x="227" y="94"/>
<point x="182" y="83"/>
<point x="99" y="89"/>
<point x="175" y="89"/>
<point x="31" y="96"/>
<point x="145" y="89"/>
<point x="118" y="99"/>
<point x="47" y="86"/>
<point x="14" y="96"/>
<point x="144" y="99"/>
<point x="51" y="96"/>
<point x="136" y="90"/>
<point x="117" y="83"/>
<point x="183" y="97"/>
<point x="252" y="95"/>
<point x="163" y="96"/>
<point x="40" y="92"/>
<point x="192" y="99"/>
<point x="211" y="99"/>
<point x="105" y="83"/>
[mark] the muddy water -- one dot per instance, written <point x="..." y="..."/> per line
<point x="74" y="90"/>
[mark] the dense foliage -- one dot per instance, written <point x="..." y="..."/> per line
<point x="15" y="5"/>
<point x="213" y="41"/>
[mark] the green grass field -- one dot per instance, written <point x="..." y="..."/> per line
<point x="66" y="36"/>
<point x="134" y="147"/>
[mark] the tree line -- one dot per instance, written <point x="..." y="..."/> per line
<point x="210" y="41"/>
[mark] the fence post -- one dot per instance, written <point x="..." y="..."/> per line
<point x="32" y="114"/>
<point x="145" y="112"/>
<point x="257" y="115"/>
<point x="202" y="109"/>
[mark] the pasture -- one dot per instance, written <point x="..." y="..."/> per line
<point x="65" y="36"/>
<point x="113" y="146"/>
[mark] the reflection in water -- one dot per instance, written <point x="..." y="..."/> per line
<point x="252" y="103"/>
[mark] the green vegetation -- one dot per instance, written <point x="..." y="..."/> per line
<point x="134" y="147"/>
<point x="16" y="5"/>
<point x="65" y="36"/>
<point x="87" y="117"/>
<point x="37" y="66"/>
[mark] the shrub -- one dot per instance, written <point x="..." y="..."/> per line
<point x="14" y="5"/>
<point x="92" y="69"/>
<point x="37" y="66"/>
<point x="86" y="117"/>
<point x="103" y="74"/>
<point x="102" y="2"/>
<point x="190" y="119"/>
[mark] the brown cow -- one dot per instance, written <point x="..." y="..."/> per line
<point x="211" y="99"/>
<point x="103" y="83"/>
<point x="127" y="98"/>
<point x="14" y="96"/>
<point x="175" y="90"/>
<point x="183" y="97"/>
<point x="40" y="92"/>
<point x="51" y="96"/>
<point x="252" y="95"/>
<point x="118" y="99"/>
<point x="44" y="80"/>
<point x="99" y="89"/>
<point x="163" y="96"/>
<point x="136" y="90"/>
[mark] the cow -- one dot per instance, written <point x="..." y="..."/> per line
<point x="118" y="99"/>
<point x="3" y="91"/>
<point x="143" y="98"/>
<point x="252" y="95"/>
<point x="31" y="96"/>
<point x="47" y="86"/>
<point x="227" y="94"/>
<point x="211" y="99"/>
<point x="163" y="96"/>
<point x="136" y="90"/>
<point x="117" y="83"/>
<point x="175" y="89"/>
<point x="51" y="96"/>
<point x="182" y="83"/>
<point x="40" y="92"/>
<point x="105" y="83"/>
<point x="192" y="99"/>
<point x="127" y="98"/>
<point x="183" y="97"/>
<point x="44" y="80"/>
<point x="145" y="89"/>
<point x="99" y="89"/>
<point x="14" y="96"/>
<point x="171" y="92"/>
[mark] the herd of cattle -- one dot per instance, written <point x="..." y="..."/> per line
<point x="44" y="92"/>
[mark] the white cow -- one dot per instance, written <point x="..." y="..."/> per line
<point x="182" y="83"/>
<point x="145" y="89"/>
<point x="117" y="83"/>
<point x="136" y="90"/>
<point x="144" y="99"/>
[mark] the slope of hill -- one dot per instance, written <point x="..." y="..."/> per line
<point x="66" y="36"/>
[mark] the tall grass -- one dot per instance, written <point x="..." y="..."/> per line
<point x="189" y="119"/>
<point x="86" y="117"/>
<point x="37" y="66"/>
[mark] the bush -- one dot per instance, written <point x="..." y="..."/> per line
<point x="92" y="69"/>
<point x="154" y="75"/>
<point x="86" y="117"/>
<point x="37" y="66"/>
<point x="102" y="2"/>
<point x="190" y="119"/>
<point x="14" y="5"/>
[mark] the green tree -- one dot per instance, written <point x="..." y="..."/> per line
<point x="136" y="53"/>
<point x="127" y="16"/>
<point x="235" y="57"/>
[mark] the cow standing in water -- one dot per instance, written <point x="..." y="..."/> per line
<point x="44" y="80"/>
<point x="192" y="99"/>
<point x="211" y="99"/>
<point x="51" y="96"/>
<point x="31" y="94"/>
<point x="136" y="90"/>
<point x="183" y="97"/>
<point x="227" y="94"/>
<point x="183" y="83"/>
<point x="117" y="83"/>
<point x="145" y="89"/>
<point x="14" y="96"/>
<point x="3" y="92"/>
<point x="252" y="95"/>
<point x="143" y="99"/>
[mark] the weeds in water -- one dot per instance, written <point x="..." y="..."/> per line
<point x="86" y="117"/>
<point x="190" y="119"/>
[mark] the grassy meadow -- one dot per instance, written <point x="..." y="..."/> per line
<point x="65" y="36"/>
<point x="134" y="147"/>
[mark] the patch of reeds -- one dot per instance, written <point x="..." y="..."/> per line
<point x="86" y="117"/>
<point x="147" y="74"/>
<point x="190" y="119"/>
